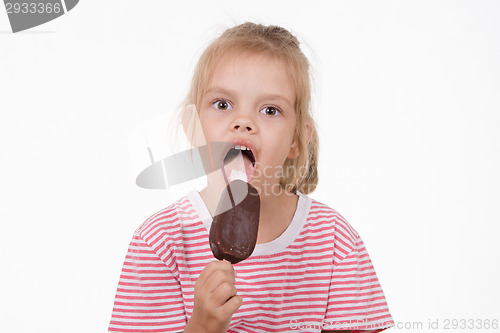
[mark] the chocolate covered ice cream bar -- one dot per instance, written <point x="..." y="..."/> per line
<point x="233" y="233"/>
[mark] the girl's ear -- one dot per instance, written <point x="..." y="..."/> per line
<point x="294" y="149"/>
<point x="308" y="132"/>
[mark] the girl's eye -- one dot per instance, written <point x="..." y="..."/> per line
<point x="221" y="104"/>
<point x="270" y="111"/>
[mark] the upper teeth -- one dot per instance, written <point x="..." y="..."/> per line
<point x="241" y="147"/>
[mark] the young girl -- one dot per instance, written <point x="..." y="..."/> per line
<point x="310" y="271"/>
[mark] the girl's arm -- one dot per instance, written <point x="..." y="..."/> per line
<point x="355" y="285"/>
<point x="148" y="296"/>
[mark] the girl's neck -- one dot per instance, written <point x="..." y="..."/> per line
<point x="276" y="214"/>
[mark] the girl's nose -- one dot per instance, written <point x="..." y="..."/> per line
<point x="244" y="123"/>
<point x="244" y="127"/>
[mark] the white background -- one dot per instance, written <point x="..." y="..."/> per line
<point x="408" y="112"/>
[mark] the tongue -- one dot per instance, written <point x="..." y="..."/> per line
<point x="239" y="167"/>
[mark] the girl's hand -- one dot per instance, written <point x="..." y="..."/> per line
<point x="215" y="299"/>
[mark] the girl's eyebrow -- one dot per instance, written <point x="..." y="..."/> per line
<point x="277" y="97"/>
<point x="219" y="90"/>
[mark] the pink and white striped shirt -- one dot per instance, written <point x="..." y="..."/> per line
<point x="317" y="275"/>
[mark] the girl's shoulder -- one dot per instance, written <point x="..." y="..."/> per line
<point x="170" y="220"/>
<point x="323" y="216"/>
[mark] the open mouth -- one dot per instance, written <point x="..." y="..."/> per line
<point x="239" y="163"/>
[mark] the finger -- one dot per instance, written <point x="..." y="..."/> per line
<point x="210" y="269"/>
<point x="226" y="265"/>
<point x="231" y="306"/>
<point x="217" y="278"/>
<point x="222" y="293"/>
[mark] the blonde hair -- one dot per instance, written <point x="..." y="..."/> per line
<point x="301" y="173"/>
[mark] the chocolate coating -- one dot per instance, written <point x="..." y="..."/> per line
<point x="233" y="232"/>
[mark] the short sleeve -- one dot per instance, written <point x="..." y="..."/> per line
<point x="356" y="300"/>
<point x="148" y="298"/>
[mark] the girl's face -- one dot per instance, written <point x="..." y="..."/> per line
<point x="249" y="101"/>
